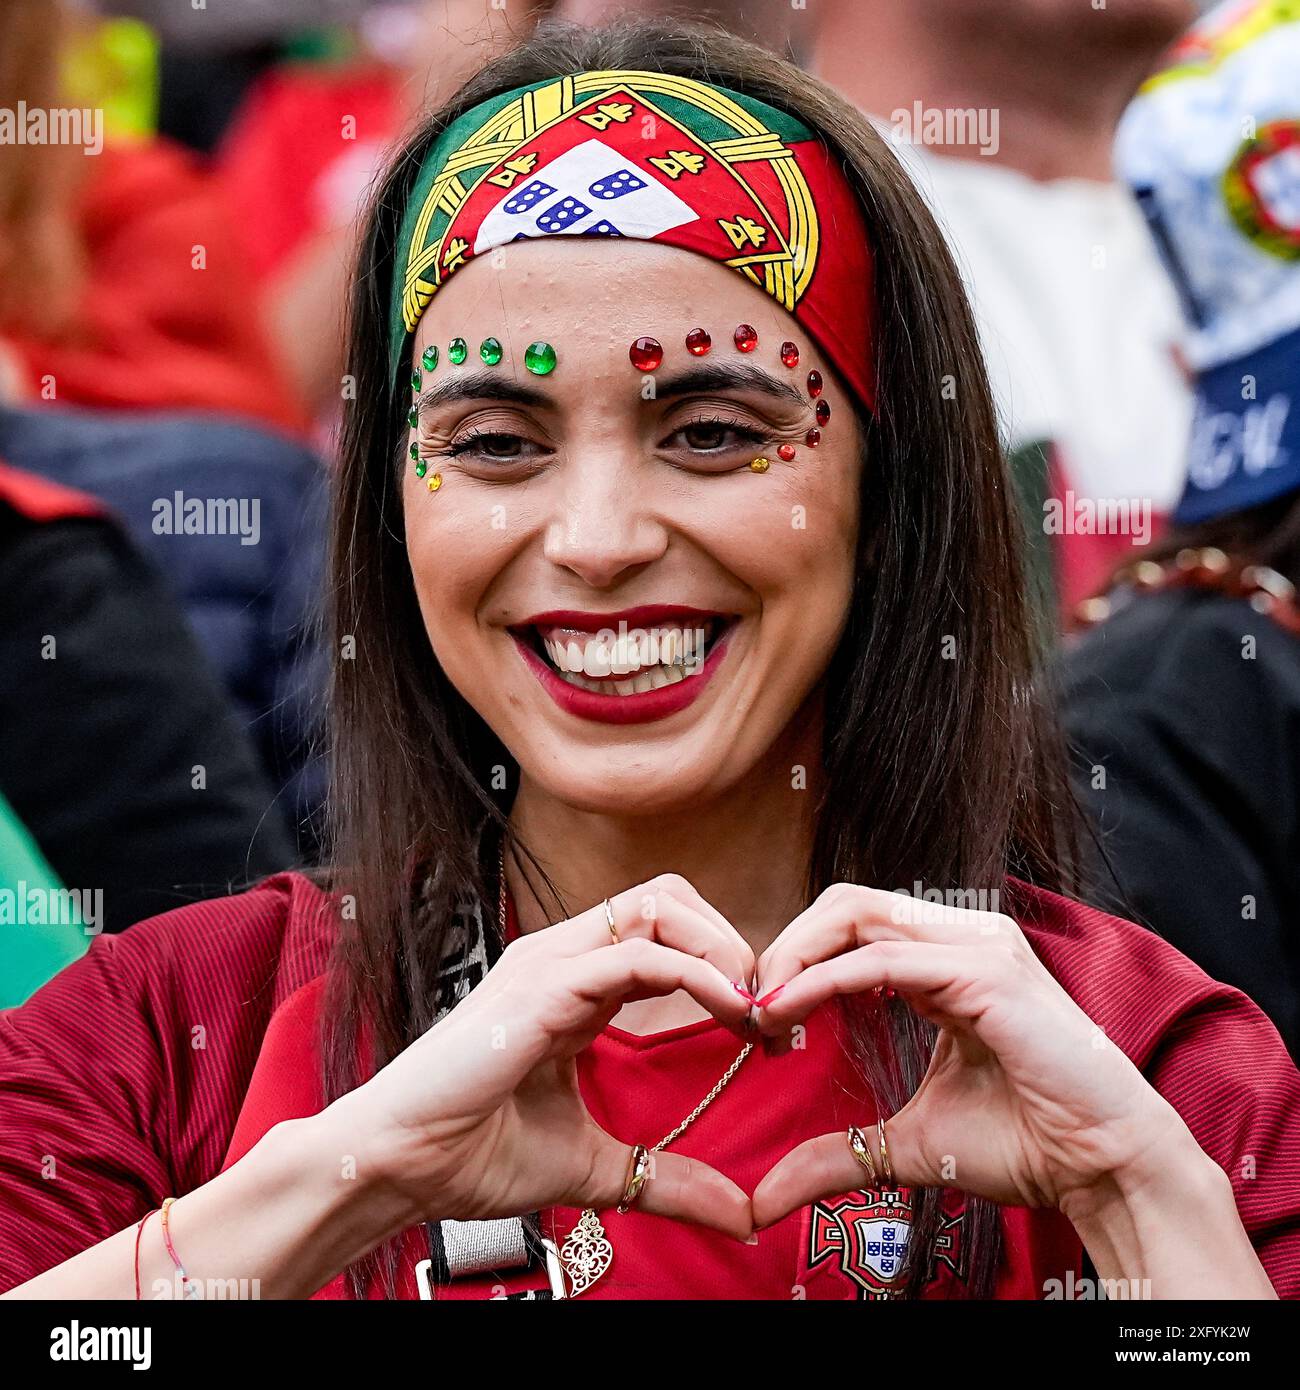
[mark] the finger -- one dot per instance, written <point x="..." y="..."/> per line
<point x="590" y="984"/>
<point x="910" y="967"/>
<point x="847" y="915"/>
<point x="817" y="1168"/>
<point x="826" y="1167"/>
<point x="688" y="1190"/>
<point x="685" y="892"/>
<point x="655" y="911"/>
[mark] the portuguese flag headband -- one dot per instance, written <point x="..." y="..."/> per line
<point x="654" y="157"/>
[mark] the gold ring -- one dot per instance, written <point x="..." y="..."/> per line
<point x="638" y="1170"/>
<point x="858" y="1143"/>
<point x="884" y="1153"/>
<point x="609" y="917"/>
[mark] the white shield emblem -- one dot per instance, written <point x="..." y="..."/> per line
<point x="590" y="190"/>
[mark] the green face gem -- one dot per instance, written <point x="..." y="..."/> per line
<point x="458" y="350"/>
<point x="429" y="358"/>
<point x="415" y="381"/>
<point x="539" y="358"/>
<point x="415" y="452"/>
<point x="421" y="469"/>
<point x="413" y="418"/>
<point x="490" y="351"/>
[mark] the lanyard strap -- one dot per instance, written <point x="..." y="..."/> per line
<point x="466" y="1249"/>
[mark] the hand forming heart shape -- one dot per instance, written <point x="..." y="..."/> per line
<point x="1024" y="1102"/>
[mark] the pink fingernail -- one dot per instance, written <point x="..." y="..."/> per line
<point x="767" y="998"/>
<point x="743" y="992"/>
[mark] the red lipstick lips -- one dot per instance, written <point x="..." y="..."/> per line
<point x="641" y="707"/>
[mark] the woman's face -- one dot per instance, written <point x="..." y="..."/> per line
<point x="636" y="612"/>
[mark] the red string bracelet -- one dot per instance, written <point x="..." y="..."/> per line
<point x="139" y="1231"/>
<point x="188" y="1288"/>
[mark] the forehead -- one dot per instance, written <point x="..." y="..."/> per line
<point x="591" y="292"/>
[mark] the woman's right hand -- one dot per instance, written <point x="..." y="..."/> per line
<point x="482" y="1116"/>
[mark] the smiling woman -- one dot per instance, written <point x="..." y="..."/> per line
<point x="679" y="618"/>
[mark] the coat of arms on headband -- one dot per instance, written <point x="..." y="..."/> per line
<point x="654" y="157"/>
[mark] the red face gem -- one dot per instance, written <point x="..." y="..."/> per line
<point x="746" y="337"/>
<point x="814" y="384"/>
<point x="785" y="451"/>
<point x="698" y="342"/>
<point x="813" y="438"/>
<point x="789" y="355"/>
<point x="823" y="412"/>
<point x="646" y="354"/>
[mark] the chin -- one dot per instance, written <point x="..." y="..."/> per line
<point x="623" y="783"/>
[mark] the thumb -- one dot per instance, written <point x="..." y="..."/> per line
<point x="682" y="1188"/>
<point x="826" y="1167"/>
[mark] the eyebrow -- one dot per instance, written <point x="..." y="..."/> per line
<point x="481" y="386"/>
<point x="726" y="376"/>
<point x="715" y="376"/>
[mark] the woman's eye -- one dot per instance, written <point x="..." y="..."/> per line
<point x="716" y="436"/>
<point x="494" y="446"/>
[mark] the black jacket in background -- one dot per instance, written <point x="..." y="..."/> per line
<point x="1197" y="729"/>
<point x="97" y="745"/>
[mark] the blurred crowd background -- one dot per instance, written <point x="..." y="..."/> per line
<point x="1120" y="183"/>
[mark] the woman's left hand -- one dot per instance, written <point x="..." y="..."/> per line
<point x="1025" y="1101"/>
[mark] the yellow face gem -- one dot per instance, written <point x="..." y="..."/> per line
<point x="435" y="482"/>
<point x="759" y="465"/>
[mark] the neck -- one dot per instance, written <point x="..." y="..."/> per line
<point x="1057" y="90"/>
<point x="746" y="850"/>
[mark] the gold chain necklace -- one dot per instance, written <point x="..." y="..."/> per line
<point x="587" y="1253"/>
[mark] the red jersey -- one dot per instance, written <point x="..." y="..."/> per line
<point x="210" y="1012"/>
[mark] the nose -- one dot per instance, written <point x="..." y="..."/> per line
<point x="602" y="530"/>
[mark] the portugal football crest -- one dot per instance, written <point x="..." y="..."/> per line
<point x="867" y="1235"/>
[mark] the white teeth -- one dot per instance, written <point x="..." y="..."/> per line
<point x="643" y="659"/>
<point x="623" y="655"/>
<point x="596" y="659"/>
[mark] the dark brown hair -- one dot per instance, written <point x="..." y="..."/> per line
<point x="935" y="768"/>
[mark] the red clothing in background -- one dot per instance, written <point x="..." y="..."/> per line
<point x="169" y="319"/>
<point x="143" y="1065"/>
<point x="301" y="154"/>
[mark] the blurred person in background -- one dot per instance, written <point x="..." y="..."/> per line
<point x="300" y="155"/>
<point x="1008" y="113"/>
<point x="233" y="519"/>
<point x="121" y="284"/>
<point x="133" y="367"/>
<point x="1184" y="703"/>
<point x="209" y="55"/>
<point x="119" y="756"/>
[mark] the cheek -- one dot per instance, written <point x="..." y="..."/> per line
<point x="809" y="544"/>
<point x="792" y="534"/>
<point x="452" y="551"/>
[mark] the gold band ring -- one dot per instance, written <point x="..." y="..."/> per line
<point x="884" y="1153"/>
<point x="609" y="917"/>
<point x="858" y="1144"/>
<point x="638" y="1170"/>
